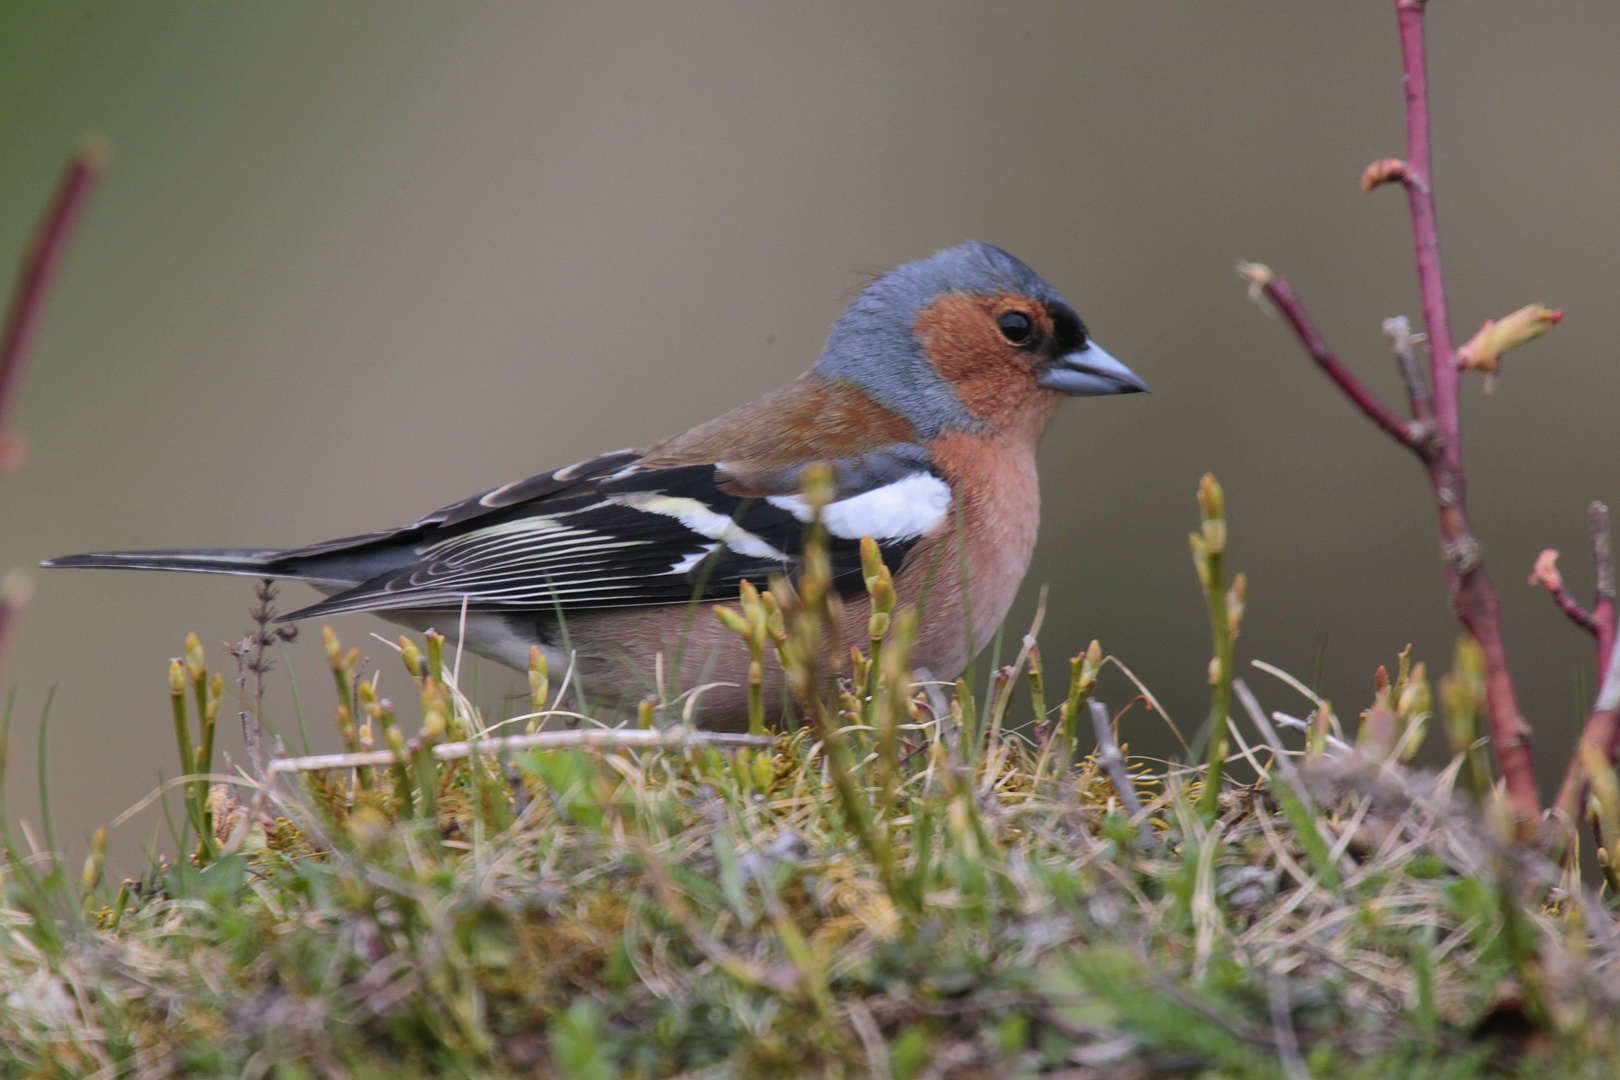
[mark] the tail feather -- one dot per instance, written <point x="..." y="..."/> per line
<point x="327" y="572"/>
<point x="252" y="562"/>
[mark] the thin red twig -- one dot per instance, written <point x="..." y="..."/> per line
<point x="1418" y="181"/>
<point x="1277" y="290"/>
<point x="1434" y="435"/>
<point x="1572" y="608"/>
<point x="22" y="320"/>
<point x="1472" y="596"/>
<point x="1547" y="576"/>
<point x="34" y="283"/>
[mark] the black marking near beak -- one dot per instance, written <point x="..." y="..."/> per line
<point x="1090" y="372"/>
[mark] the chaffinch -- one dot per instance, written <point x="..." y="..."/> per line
<point x="927" y="402"/>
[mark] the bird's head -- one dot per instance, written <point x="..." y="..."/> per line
<point x="968" y="338"/>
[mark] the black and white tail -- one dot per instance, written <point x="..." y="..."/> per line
<point x="248" y="561"/>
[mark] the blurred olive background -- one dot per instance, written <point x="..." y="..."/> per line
<point x="355" y="261"/>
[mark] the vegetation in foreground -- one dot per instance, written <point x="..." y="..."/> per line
<point x="909" y="881"/>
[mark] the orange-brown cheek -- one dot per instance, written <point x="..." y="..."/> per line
<point x="994" y="380"/>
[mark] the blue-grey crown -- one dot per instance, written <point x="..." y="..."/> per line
<point x="873" y="345"/>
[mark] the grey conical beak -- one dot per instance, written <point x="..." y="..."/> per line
<point x="1090" y="372"/>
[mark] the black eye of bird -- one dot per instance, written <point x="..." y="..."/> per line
<point x="1015" y="327"/>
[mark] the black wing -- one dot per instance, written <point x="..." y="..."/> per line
<point x="614" y="533"/>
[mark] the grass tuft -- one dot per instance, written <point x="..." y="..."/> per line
<point x="910" y="885"/>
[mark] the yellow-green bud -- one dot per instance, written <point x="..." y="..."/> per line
<point x="94" y="860"/>
<point x="731" y="620"/>
<point x="539" y="682"/>
<point x="435" y="652"/>
<point x="871" y="559"/>
<point x="412" y="656"/>
<point x="1091" y="662"/>
<point x="882" y="589"/>
<point x="1211" y="500"/>
<point x="433" y="725"/>
<point x="1605" y="792"/>
<point x="816" y="486"/>
<point x="216" y="694"/>
<point x="1416" y="699"/>
<point x="194" y="656"/>
<point x="1484" y="350"/>
<point x="1200" y="554"/>
<point x="1235" y="598"/>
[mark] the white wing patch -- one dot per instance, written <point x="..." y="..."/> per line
<point x="702" y="520"/>
<point x="692" y="560"/>
<point x="907" y="508"/>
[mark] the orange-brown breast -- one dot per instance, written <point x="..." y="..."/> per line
<point x="993" y="476"/>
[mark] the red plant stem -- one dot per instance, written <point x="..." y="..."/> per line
<point x="1472" y="596"/>
<point x="1470" y="590"/>
<point x="1425" y="231"/>
<point x="1572" y="608"/>
<point x="34" y="283"/>
<point x="1436" y="436"/>
<point x="1280" y="294"/>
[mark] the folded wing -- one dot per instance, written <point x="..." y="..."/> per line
<point x="613" y="532"/>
